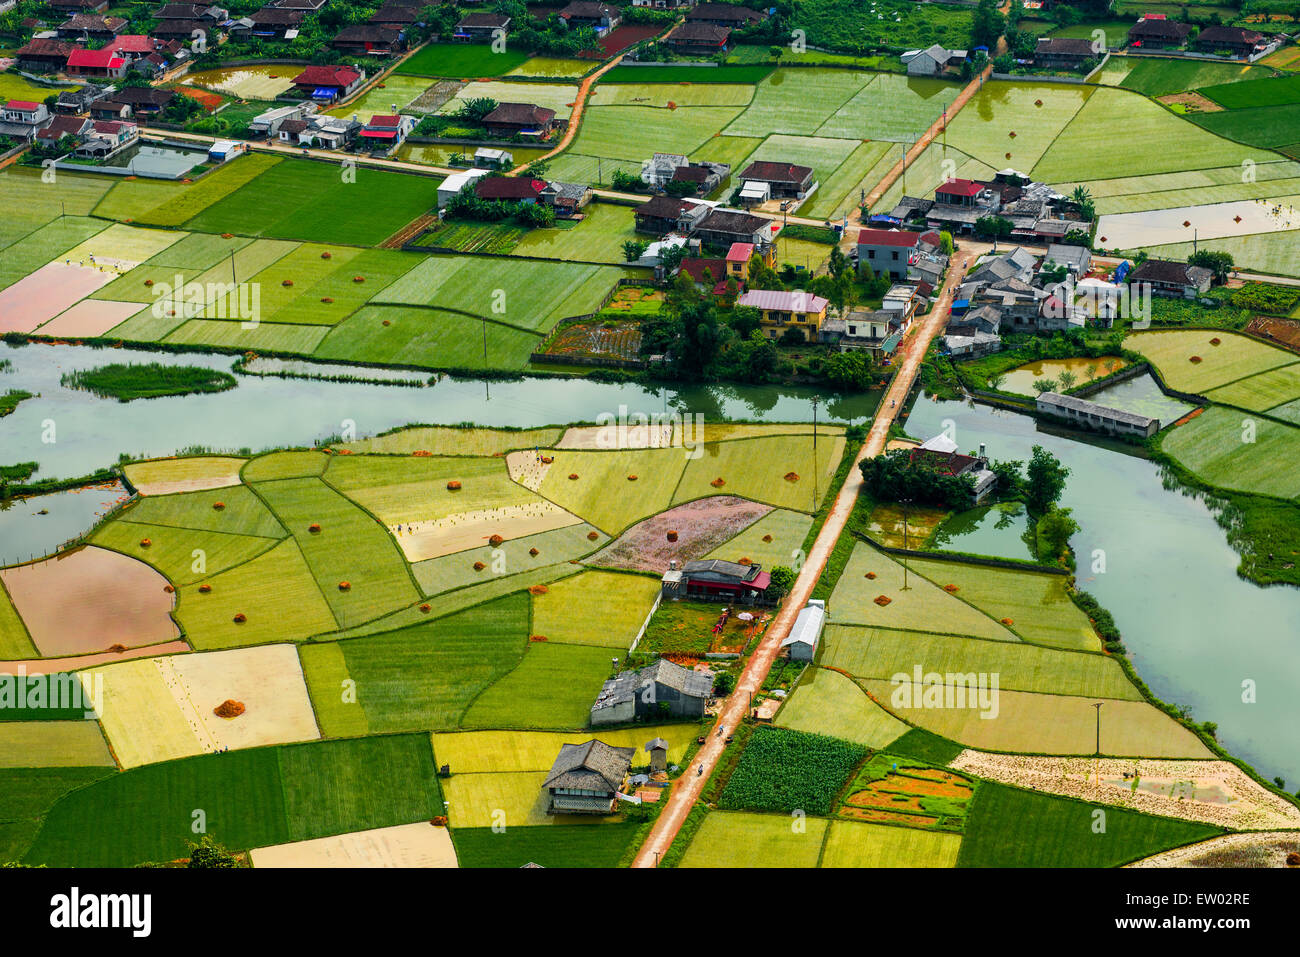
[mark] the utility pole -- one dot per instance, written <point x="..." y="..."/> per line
<point x="905" y="502"/>
<point x="1098" y="707"/>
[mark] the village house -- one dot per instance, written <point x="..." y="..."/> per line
<point x="1177" y="280"/>
<point x="762" y="180"/>
<point x="23" y="119"/>
<point x="510" y="189"/>
<point x="940" y="453"/>
<point x="723" y="15"/>
<point x="586" y="778"/>
<point x="1097" y="418"/>
<point x="1063" y="53"/>
<point x="43" y="55"/>
<point x="268" y="23"/>
<point x="723" y="227"/>
<point x="697" y="39"/>
<point x="325" y="84"/>
<point x="660" y="215"/>
<point x="104" y="62"/>
<point x="366" y="39"/>
<point x="521" y="119"/>
<point x="587" y="13"/>
<point x="1158" y="33"/>
<point x="659" y="690"/>
<point x="1234" y="41"/>
<point x="395" y="17"/>
<point x="387" y="131"/>
<point x="481" y="26"/>
<point x="782" y="311"/>
<point x="89" y="26"/>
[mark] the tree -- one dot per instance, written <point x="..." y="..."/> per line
<point x="782" y="580"/>
<point x="633" y="249"/>
<point x="1055" y="529"/>
<point x="209" y="854"/>
<point x="1044" y="480"/>
<point x="1219" y="263"/>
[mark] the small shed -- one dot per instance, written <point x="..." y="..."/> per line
<point x="658" y="751"/>
<point x="801" y="643"/>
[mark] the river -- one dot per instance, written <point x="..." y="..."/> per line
<point x="1196" y="632"/>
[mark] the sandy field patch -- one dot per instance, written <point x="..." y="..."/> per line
<point x="169" y="476"/>
<point x="1212" y="792"/>
<point x="157" y="709"/>
<point x="48" y="666"/>
<point x="406" y="845"/>
<point x="90" y="599"/>
<point x="90" y="317"/>
<point x="701" y="526"/>
<point x="527" y="469"/>
<point x="609" y="437"/>
<point x="1264" y="849"/>
<point x="465" y="530"/>
<point x="44" y="294"/>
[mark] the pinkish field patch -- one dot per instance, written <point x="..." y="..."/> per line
<point x="701" y="526"/>
<point x="90" y="317"/>
<point x="47" y="292"/>
<point x="49" y="666"/>
<point x="90" y="599"/>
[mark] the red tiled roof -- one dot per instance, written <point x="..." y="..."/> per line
<point x="887" y="237"/>
<point x="342" y="76"/>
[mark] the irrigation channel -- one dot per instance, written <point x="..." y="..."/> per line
<point x="1194" y="629"/>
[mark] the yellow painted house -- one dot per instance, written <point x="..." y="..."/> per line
<point x="787" y="310"/>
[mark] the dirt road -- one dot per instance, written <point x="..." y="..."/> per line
<point x="686" y="790"/>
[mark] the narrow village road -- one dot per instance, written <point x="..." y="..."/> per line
<point x="686" y="790"/>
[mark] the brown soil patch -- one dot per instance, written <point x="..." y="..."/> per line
<point x="683" y="534"/>
<point x="1194" y="102"/>
<point x="90" y="599"/>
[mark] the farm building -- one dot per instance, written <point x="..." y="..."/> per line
<point x="782" y="311"/>
<point x="806" y="632"/>
<point x="940" y="453"/>
<point x="521" y="119"/>
<point x="1177" y="280"/>
<point x="1098" y="418"/>
<point x="454" y="183"/>
<point x="586" y="778"/>
<point x="663" y="689"/>
<point x="328" y="83"/>
<point x="1158" y="32"/>
<point x="723" y="15"/>
<point x="704" y="39"/>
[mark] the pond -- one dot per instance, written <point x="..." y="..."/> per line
<point x="1156" y="559"/>
<point x="995" y="530"/>
<point x="71" y="433"/>
<point x="1020" y="380"/>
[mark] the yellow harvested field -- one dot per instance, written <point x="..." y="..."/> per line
<point x="422" y="540"/>
<point x="451" y="441"/>
<point x="52" y="744"/>
<point x="1028" y="722"/>
<point x="191" y="474"/>
<point x="157" y="709"/>
<point x="475" y="752"/>
<point x="406" y="845"/>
